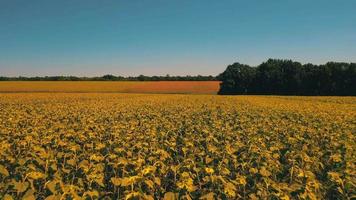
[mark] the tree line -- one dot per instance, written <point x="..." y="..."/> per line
<point x="275" y="77"/>
<point x="110" y="77"/>
<point x="286" y="77"/>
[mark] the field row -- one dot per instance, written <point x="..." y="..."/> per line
<point x="177" y="87"/>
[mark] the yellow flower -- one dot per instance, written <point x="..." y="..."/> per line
<point x="209" y="170"/>
<point x="186" y="182"/>
<point x="36" y="175"/>
<point x="336" y="158"/>
<point x="230" y="189"/>
<point x="334" y="176"/>
<point x="264" y="172"/>
<point x="242" y="180"/>
<point x="253" y="170"/>
<point x="148" y="170"/>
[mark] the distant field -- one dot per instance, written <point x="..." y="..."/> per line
<point x="179" y="87"/>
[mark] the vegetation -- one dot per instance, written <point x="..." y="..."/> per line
<point x="285" y="77"/>
<point x="179" y="87"/>
<point x="130" y="146"/>
<point x="110" y="77"/>
<point x="273" y="77"/>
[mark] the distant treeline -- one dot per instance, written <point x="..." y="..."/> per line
<point x="286" y="77"/>
<point x="112" y="78"/>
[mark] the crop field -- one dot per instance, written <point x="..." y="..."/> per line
<point x="177" y="87"/>
<point x="159" y="146"/>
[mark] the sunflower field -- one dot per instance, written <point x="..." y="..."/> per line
<point x="146" y="146"/>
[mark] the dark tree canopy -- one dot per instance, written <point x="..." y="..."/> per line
<point x="285" y="77"/>
<point x="237" y="78"/>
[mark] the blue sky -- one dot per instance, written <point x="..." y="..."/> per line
<point x="177" y="37"/>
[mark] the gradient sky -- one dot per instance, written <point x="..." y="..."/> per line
<point x="177" y="37"/>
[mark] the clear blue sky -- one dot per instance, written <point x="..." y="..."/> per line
<point x="177" y="37"/>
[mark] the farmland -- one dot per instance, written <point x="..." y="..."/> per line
<point x="154" y="146"/>
<point x="180" y="87"/>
